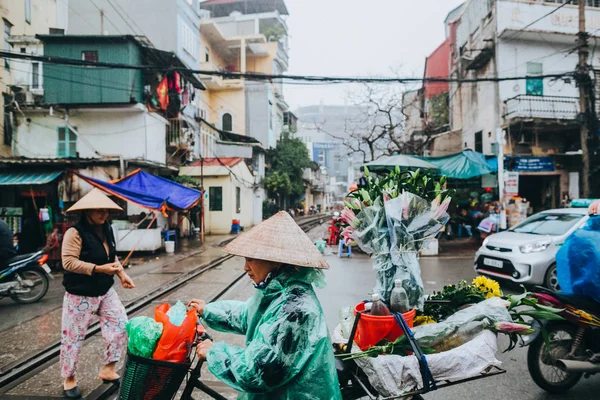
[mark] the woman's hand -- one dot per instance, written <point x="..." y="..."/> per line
<point x="109" y="269"/>
<point x="198" y="305"/>
<point x="594" y="207"/>
<point x="203" y="348"/>
<point x="126" y="281"/>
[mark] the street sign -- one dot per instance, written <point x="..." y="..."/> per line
<point x="533" y="164"/>
<point x="511" y="182"/>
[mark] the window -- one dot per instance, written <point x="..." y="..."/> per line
<point x="479" y="142"/>
<point x="206" y="54"/>
<point x="7" y="46"/>
<point x="188" y="40"/>
<point x="35" y="75"/>
<point x="534" y="86"/>
<point x="238" y="200"/>
<point x="215" y="198"/>
<point x="89" y="55"/>
<point x="28" y="11"/>
<point x="56" y="31"/>
<point x="227" y="122"/>
<point x="67" y="142"/>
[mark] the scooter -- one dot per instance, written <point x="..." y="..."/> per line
<point x="569" y="349"/>
<point x="27" y="278"/>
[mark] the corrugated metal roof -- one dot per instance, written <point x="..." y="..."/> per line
<point x="28" y="178"/>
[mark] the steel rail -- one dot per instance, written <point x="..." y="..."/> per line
<point x="40" y="360"/>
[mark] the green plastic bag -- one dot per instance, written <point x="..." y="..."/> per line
<point x="144" y="333"/>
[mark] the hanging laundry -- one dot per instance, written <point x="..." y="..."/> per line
<point x="162" y="90"/>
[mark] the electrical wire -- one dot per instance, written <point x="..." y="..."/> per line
<point x="520" y="31"/>
<point x="268" y="77"/>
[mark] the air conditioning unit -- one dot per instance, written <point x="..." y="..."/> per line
<point x="29" y="98"/>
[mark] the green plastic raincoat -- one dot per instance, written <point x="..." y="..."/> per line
<point x="288" y="353"/>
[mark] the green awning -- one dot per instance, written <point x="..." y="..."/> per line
<point x="465" y="165"/>
<point x="27" y="178"/>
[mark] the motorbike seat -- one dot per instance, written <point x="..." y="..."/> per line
<point x="21" y="258"/>
<point x="583" y="302"/>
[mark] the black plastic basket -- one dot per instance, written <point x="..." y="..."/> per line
<point x="148" y="379"/>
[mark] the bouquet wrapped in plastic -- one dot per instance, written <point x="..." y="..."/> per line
<point x="393" y="230"/>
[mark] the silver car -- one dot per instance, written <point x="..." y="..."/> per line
<point x="526" y="253"/>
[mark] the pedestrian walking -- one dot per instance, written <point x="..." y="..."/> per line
<point x="288" y="353"/>
<point x="90" y="263"/>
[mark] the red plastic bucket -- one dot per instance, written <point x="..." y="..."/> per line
<point x="372" y="329"/>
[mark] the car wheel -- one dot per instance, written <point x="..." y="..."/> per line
<point x="551" y="280"/>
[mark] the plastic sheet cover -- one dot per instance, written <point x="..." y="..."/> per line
<point x="395" y="375"/>
<point x="288" y="353"/>
<point x="578" y="261"/>
<point x="393" y="234"/>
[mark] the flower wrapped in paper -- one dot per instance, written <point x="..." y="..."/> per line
<point x="393" y="231"/>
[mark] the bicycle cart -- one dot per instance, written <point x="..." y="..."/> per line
<point x="147" y="379"/>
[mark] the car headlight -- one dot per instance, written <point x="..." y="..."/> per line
<point x="485" y="241"/>
<point x="535" y="247"/>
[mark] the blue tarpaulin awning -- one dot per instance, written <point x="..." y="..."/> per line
<point x="28" y="178"/>
<point x="149" y="191"/>
<point x="464" y="165"/>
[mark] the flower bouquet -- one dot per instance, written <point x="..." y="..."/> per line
<point x="391" y="219"/>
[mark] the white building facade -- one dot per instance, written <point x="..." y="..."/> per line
<point x="502" y="39"/>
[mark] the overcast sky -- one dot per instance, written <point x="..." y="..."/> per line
<point x="360" y="37"/>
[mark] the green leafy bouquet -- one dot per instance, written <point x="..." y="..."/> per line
<point x="391" y="219"/>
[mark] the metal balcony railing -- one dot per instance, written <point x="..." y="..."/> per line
<point x="551" y="107"/>
<point x="175" y="132"/>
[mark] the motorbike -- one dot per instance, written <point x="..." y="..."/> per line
<point x="26" y="279"/>
<point x="562" y="352"/>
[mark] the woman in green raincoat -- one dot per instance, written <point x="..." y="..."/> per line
<point x="288" y="353"/>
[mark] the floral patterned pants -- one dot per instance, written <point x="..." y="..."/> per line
<point x="77" y="314"/>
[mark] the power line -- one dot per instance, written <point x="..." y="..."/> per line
<point x="268" y="77"/>
<point x="102" y="12"/>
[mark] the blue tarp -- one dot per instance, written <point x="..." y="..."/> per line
<point x="465" y="165"/>
<point x="149" y="191"/>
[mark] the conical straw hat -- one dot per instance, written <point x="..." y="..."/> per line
<point x="278" y="239"/>
<point x="95" y="200"/>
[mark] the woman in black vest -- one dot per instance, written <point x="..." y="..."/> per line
<point x="90" y="263"/>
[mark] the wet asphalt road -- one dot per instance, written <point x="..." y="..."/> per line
<point x="351" y="279"/>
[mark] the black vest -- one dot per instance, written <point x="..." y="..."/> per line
<point x="92" y="251"/>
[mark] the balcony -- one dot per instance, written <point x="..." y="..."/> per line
<point x="214" y="82"/>
<point x="542" y="107"/>
<point x="177" y="134"/>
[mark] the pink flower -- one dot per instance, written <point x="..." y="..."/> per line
<point x="349" y="218"/>
<point x="347" y="233"/>
<point x="439" y="210"/>
<point x="513" y="327"/>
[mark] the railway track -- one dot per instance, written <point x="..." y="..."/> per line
<point x="26" y="368"/>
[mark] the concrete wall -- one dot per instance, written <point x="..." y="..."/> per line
<point x="45" y="14"/>
<point x="257" y="117"/>
<point x="131" y="134"/>
<point x="513" y="57"/>
<point x="219" y="222"/>
<point x="156" y="19"/>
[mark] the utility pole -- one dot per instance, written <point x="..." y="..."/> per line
<point x="583" y="80"/>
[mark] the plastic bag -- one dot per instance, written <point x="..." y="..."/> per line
<point x="431" y="335"/>
<point x="176" y="341"/>
<point x="144" y="333"/>
<point x="177" y="313"/>
<point x="578" y="261"/>
<point x="393" y="376"/>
